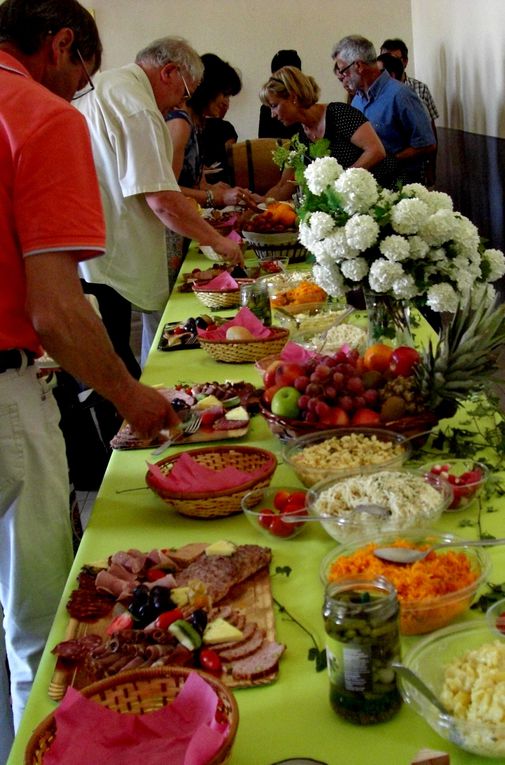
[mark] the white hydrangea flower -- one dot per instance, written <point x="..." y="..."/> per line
<point x="495" y="261"/>
<point x="361" y="232"/>
<point x="408" y="216"/>
<point x="387" y="197"/>
<point x="358" y="189"/>
<point x="321" y="173"/>
<point x="321" y="224"/>
<point x="383" y="273"/>
<point x="418" y="248"/>
<point x="395" y="248"/>
<point x="438" y="200"/>
<point x="336" y="247"/>
<point x="465" y="236"/>
<point x="464" y="279"/>
<point x="442" y="297"/>
<point x="439" y="228"/>
<point x="355" y="270"/>
<point x="404" y="288"/>
<point x="416" y="190"/>
<point x="306" y="235"/>
<point x="330" y="279"/>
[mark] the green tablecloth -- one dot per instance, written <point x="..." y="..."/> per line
<point x="291" y="717"/>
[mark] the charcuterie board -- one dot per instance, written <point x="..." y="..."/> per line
<point x="251" y="597"/>
<point x="124" y="439"/>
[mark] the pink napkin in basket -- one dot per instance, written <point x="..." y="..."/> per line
<point x="296" y="353"/>
<point x="244" y="318"/>
<point x="188" y="475"/>
<point x="234" y="235"/>
<point x="222" y="282"/>
<point x="184" y="732"/>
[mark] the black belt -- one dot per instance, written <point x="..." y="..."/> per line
<point x="14" y="359"/>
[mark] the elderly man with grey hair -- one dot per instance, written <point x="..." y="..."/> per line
<point x="395" y="111"/>
<point x="140" y="195"/>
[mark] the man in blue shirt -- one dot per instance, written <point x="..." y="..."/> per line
<point x="395" y="111"/>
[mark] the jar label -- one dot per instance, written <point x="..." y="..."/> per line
<point x="349" y="666"/>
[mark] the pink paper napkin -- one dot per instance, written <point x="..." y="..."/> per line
<point x="244" y="318"/>
<point x="184" y="732"/>
<point x="296" y="353"/>
<point x="188" y="475"/>
<point x="222" y="282"/>
<point x="234" y="236"/>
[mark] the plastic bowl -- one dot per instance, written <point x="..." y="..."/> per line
<point x="428" y="659"/>
<point x="342" y="452"/>
<point x="413" y="501"/>
<point x="466" y="476"/>
<point x="261" y="507"/>
<point x="495" y="616"/>
<point x="418" y="616"/>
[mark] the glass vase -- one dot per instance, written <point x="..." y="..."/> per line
<point x="388" y="319"/>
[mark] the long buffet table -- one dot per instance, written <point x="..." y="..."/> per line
<point x="291" y="717"/>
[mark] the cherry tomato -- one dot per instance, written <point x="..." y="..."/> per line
<point x="210" y="662"/>
<point x="164" y="620"/>
<point x="280" y="499"/>
<point x="266" y="517"/>
<point x="296" y="501"/>
<point x="280" y="529"/>
<point x="153" y="574"/>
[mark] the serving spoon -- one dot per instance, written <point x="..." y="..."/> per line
<point x="408" y="555"/>
<point x="377" y="511"/>
<point x="421" y="686"/>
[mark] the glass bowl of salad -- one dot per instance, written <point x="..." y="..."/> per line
<point x="466" y="477"/>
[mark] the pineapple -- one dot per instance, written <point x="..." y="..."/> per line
<point x="465" y="358"/>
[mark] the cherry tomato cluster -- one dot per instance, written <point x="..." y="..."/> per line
<point x="285" y="503"/>
<point x="464" y="486"/>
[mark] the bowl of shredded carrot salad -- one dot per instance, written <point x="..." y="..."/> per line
<point x="432" y="592"/>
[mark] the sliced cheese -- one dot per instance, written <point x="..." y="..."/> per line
<point x="221" y="631"/>
<point x="223" y="547"/>
<point x="207" y="402"/>
<point x="238" y="413"/>
<point x="180" y="595"/>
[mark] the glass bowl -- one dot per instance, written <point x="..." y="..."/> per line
<point x="495" y="616"/>
<point x="410" y="500"/>
<point x="342" y="452"/>
<point x="429" y="658"/>
<point x="418" y="614"/>
<point x="466" y="476"/>
<point x="267" y="510"/>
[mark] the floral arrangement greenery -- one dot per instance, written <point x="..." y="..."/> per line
<point x="407" y="243"/>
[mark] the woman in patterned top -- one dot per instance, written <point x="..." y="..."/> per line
<point x="293" y="97"/>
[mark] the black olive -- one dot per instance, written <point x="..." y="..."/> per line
<point x="201" y="323"/>
<point x="178" y="405"/>
<point x="198" y="620"/>
<point x="140" y="594"/>
<point x="190" y="325"/>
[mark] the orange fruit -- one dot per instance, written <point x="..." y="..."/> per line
<point x="377" y="357"/>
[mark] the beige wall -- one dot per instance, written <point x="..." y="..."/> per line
<point x="248" y="32"/>
<point x="459" y="49"/>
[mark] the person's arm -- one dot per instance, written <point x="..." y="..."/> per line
<point x="367" y="139"/>
<point x="285" y="188"/>
<point x="177" y="213"/>
<point x="417" y="126"/>
<point x="72" y="333"/>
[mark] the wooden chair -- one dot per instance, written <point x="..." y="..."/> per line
<point x="251" y="164"/>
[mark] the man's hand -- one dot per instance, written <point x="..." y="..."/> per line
<point x="230" y="250"/>
<point x="147" y="411"/>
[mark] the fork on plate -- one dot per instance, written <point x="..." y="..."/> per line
<point x="189" y="426"/>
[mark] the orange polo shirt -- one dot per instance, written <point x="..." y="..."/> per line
<point x="49" y="195"/>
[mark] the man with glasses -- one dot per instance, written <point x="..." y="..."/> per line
<point x="140" y="195"/>
<point x="50" y="218"/>
<point x="395" y="111"/>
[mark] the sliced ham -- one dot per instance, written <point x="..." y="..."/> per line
<point x="113" y="585"/>
<point x="133" y="560"/>
<point x="262" y="662"/>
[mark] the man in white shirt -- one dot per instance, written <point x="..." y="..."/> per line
<point x="133" y="156"/>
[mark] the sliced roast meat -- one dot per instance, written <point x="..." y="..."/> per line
<point x="261" y="663"/>
<point x="247" y="633"/>
<point x="246" y="647"/>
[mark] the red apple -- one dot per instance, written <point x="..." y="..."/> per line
<point x="337" y="416"/>
<point x="365" y="417"/>
<point x="269" y="375"/>
<point x="403" y="361"/>
<point x="287" y="372"/>
<point x="270" y="393"/>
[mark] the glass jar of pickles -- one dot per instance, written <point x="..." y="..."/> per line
<point x="255" y="296"/>
<point x="361" y="618"/>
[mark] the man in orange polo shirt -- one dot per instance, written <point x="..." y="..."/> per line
<point x="50" y="219"/>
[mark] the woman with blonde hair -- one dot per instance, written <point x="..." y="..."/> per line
<point x="293" y="97"/>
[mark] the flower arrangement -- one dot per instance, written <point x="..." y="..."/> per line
<point x="408" y="243"/>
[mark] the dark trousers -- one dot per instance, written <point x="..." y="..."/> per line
<point x="116" y="315"/>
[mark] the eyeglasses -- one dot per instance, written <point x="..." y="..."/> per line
<point x="341" y="72"/>
<point x="89" y="82"/>
<point x="188" y="92"/>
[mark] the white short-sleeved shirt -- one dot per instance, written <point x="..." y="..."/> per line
<point x="133" y="155"/>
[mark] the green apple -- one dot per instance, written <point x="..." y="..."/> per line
<point x="285" y="402"/>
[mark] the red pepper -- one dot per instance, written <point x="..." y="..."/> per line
<point x="165" y="619"/>
<point x="152" y="574"/>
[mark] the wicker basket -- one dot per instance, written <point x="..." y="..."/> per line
<point x="220" y="299"/>
<point x="276" y="246"/>
<point x="139" y="692"/>
<point x="241" y="351"/>
<point x="199" y="504"/>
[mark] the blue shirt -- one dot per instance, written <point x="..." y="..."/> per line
<point x="396" y="113"/>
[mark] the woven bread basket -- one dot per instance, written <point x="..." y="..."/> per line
<point x="139" y="692"/>
<point x="241" y="351"/>
<point x="276" y="246"/>
<point x="198" y="504"/>
<point x="220" y="298"/>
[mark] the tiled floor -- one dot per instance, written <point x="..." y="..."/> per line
<point x="86" y="500"/>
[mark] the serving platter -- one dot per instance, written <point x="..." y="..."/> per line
<point x="252" y="597"/>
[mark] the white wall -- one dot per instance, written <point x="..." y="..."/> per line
<point x="459" y="48"/>
<point x="247" y="33"/>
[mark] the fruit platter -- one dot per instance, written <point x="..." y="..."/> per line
<point x="200" y="605"/>
<point x="223" y="409"/>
